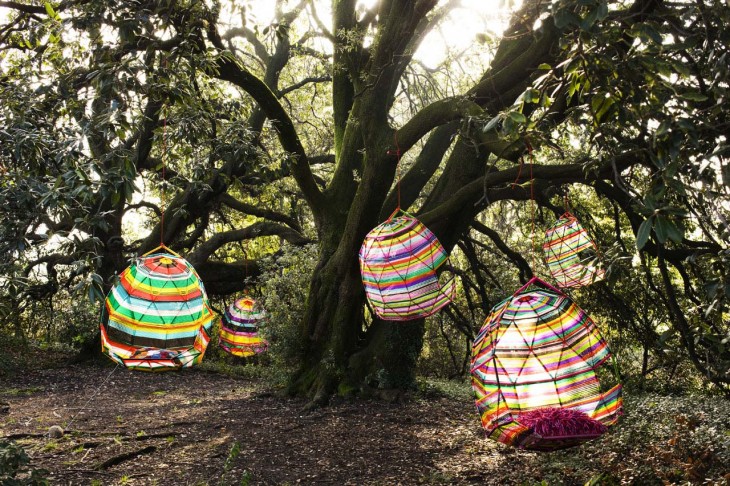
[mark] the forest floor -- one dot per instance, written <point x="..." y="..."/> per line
<point x="205" y="428"/>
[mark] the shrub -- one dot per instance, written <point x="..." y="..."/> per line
<point x="14" y="467"/>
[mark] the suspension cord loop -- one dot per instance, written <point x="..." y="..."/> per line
<point x="164" y="156"/>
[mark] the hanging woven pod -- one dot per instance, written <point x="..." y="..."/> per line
<point x="157" y="317"/>
<point x="570" y="254"/>
<point x="240" y="328"/>
<point x="534" y="372"/>
<point x="399" y="262"/>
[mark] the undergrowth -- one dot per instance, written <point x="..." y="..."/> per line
<point x="15" y="467"/>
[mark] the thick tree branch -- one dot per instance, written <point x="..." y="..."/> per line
<point x="205" y="250"/>
<point x="246" y="208"/>
<point x="434" y="115"/>
<point x="231" y="71"/>
<point x="250" y="36"/>
<point x="303" y="82"/>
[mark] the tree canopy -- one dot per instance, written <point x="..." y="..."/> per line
<point x="124" y="124"/>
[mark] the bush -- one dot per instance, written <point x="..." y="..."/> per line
<point x="660" y="440"/>
<point x="14" y="467"/>
<point x="284" y="296"/>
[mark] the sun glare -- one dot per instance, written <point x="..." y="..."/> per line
<point x="462" y="28"/>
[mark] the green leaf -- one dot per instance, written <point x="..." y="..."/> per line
<point x="484" y="38"/>
<point x="49" y="10"/>
<point x="564" y="17"/>
<point x="675" y="232"/>
<point x="663" y="128"/>
<point x="607" y="104"/>
<point x="531" y="95"/>
<point x="492" y="123"/>
<point x="661" y="228"/>
<point x="693" y="96"/>
<point x="643" y="234"/>
<point x="517" y="117"/>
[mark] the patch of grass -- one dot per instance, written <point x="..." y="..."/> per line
<point x="228" y="464"/>
<point x="272" y="375"/>
<point x="160" y="393"/>
<point x="442" y="388"/>
<point x="50" y="446"/>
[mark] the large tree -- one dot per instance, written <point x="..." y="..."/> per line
<point x="247" y="124"/>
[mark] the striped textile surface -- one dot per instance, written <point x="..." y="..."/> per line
<point x="239" y="334"/>
<point x="538" y="349"/>
<point x="156" y="317"/>
<point x="398" y="263"/>
<point x="570" y="254"/>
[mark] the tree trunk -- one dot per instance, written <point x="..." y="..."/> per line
<point x="340" y="355"/>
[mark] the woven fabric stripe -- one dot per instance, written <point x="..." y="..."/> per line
<point x="570" y="254"/>
<point x="538" y="349"/>
<point x="610" y="406"/>
<point x="399" y="260"/>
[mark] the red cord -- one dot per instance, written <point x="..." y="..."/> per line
<point x="164" y="155"/>
<point x="162" y="194"/>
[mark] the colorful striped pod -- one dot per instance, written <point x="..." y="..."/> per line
<point x="157" y="317"/>
<point x="399" y="260"/>
<point x="239" y="334"/>
<point x="570" y="254"/>
<point x="538" y="350"/>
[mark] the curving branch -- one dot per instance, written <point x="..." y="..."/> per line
<point x="253" y="210"/>
<point x="303" y="82"/>
<point x="144" y="204"/>
<point x="205" y="250"/>
<point x="519" y="260"/>
<point x="230" y="70"/>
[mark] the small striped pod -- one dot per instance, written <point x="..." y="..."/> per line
<point x="156" y="317"/>
<point x="537" y="350"/>
<point x="570" y="254"/>
<point x="399" y="260"/>
<point x="239" y="334"/>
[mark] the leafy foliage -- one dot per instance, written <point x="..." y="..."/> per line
<point x="15" y="467"/>
<point x="193" y="123"/>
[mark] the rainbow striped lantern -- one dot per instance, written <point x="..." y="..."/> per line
<point x="399" y="260"/>
<point x="157" y="316"/>
<point x="570" y="254"/>
<point x="533" y="369"/>
<point x="239" y="334"/>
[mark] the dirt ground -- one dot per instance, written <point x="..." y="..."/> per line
<point x="180" y="428"/>
<point x="203" y="428"/>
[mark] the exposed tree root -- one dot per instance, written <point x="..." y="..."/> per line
<point x="125" y="457"/>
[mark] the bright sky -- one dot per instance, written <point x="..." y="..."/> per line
<point x="456" y="32"/>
